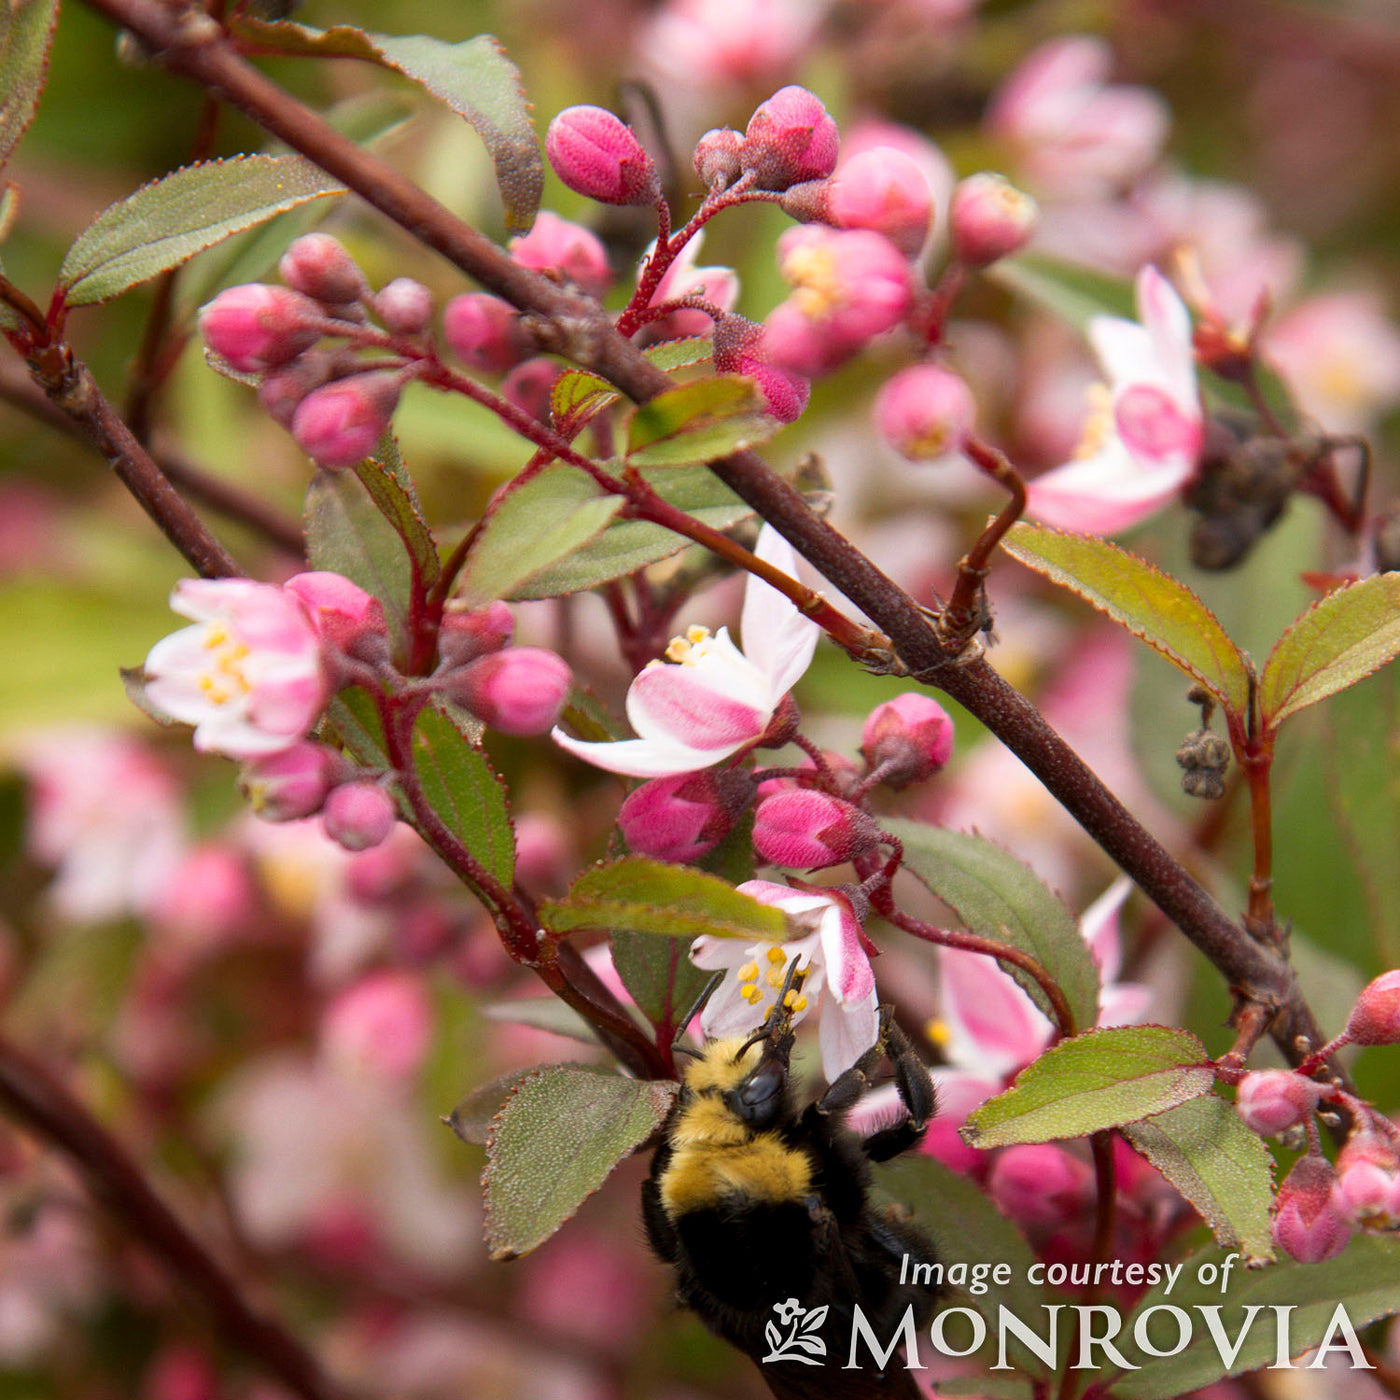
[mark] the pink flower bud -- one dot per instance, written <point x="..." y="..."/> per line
<point x="1375" y="1019"/>
<point x="207" y="898"/>
<point x="1272" y="1100"/>
<point x="543" y="851"/>
<point x="517" y="691"/>
<point x="345" y="616"/>
<point x="181" y="1372"/>
<point x="287" y="786"/>
<point x="556" y="245"/>
<point x="924" y="412"/>
<point x="405" y="306"/>
<point x="319" y="266"/>
<point x="809" y="202"/>
<point x="808" y="830"/>
<point x="382" y="1025"/>
<point x="1368" y="1180"/>
<point x="684" y="816"/>
<point x="1040" y="1184"/>
<point x="739" y="349"/>
<point x="989" y="219"/>
<point x="912" y="734"/>
<point x="790" y="138"/>
<point x="463" y="635"/>
<point x="716" y="158"/>
<point x="254" y="327"/>
<point x="884" y="190"/>
<point x="530" y="387"/>
<point x="341" y="424"/>
<point x="485" y="333"/>
<point x="596" y="154"/>
<point x="1307" y="1223"/>
<point x="283" y="388"/>
<point x="359" y="815"/>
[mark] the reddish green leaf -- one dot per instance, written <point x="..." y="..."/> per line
<point x="577" y="396"/>
<point x="699" y="421"/>
<point x="1150" y="604"/>
<point x="554" y="1142"/>
<point x="474" y="78"/>
<point x="168" y="221"/>
<point x="1101" y="1079"/>
<point x="391" y="489"/>
<point x="649" y="896"/>
<point x="26" y="34"/>
<point x="1204" y="1149"/>
<point x="1340" y="640"/>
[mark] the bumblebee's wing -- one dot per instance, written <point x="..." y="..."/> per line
<point x="832" y="1382"/>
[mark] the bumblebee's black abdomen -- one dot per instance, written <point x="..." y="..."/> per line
<point x="749" y="1258"/>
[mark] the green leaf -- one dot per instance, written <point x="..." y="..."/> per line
<point x="698" y="422"/>
<point x="347" y="533"/>
<point x="1072" y="293"/>
<point x="628" y="545"/>
<point x="649" y="896"/>
<point x="471" y="1118"/>
<point x="1100" y="1079"/>
<point x="677" y="354"/>
<point x="577" y="395"/>
<point x="1150" y="604"/>
<point x="26" y="34"/>
<point x="1361" y="723"/>
<point x="1364" y="1279"/>
<point x="531" y="527"/>
<point x="659" y="976"/>
<point x="355" y="719"/>
<point x="1340" y="640"/>
<point x="474" y="78"/>
<point x="962" y="1224"/>
<point x="168" y="221"/>
<point x="1204" y="1149"/>
<point x="997" y="896"/>
<point x="391" y="489"/>
<point x="556" y="1140"/>
<point x="464" y="792"/>
<point x="542" y="1014"/>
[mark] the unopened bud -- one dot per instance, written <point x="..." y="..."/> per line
<point x="808" y="830"/>
<point x="530" y="387"/>
<point x="282" y="390"/>
<point x="684" y="816"/>
<point x="884" y="189"/>
<point x="255" y="327"/>
<point x="570" y="250"/>
<point x="485" y="332"/>
<point x="465" y="635"/>
<point x="359" y="815"/>
<point x="989" y="218"/>
<point x="717" y="158"/>
<point x="1040" y="1184"/>
<point x="1307" y="1222"/>
<point x="924" y="412"/>
<point x="287" y="786"/>
<point x="1375" y="1019"/>
<point x="738" y="349"/>
<point x="1273" y="1100"/>
<point x="405" y="306"/>
<point x="598" y="155"/>
<point x="319" y="266"/>
<point x="345" y="616"/>
<point x="1368" y="1180"/>
<point x="518" y="691"/>
<point x="381" y="1025"/>
<point x="341" y="423"/>
<point x="809" y="202"/>
<point x="909" y="737"/>
<point x="789" y="139"/>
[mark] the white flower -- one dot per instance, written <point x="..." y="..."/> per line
<point x="833" y="958"/>
<point x="715" y="700"/>
<point x="1141" y="444"/>
<point x="248" y="675"/>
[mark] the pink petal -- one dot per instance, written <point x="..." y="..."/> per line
<point x="1104" y="494"/>
<point x="1152" y="426"/>
<point x="1099" y="925"/>
<point x="638" y="758"/>
<point x="847" y="964"/>
<point x="994" y="1026"/>
<point x="685" y="704"/>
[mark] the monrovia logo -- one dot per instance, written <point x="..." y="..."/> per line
<point x="801" y="1323"/>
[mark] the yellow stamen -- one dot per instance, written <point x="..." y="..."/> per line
<point x="749" y="972"/>
<point x="776" y="956"/>
<point x="797" y="1004"/>
<point x="775" y="978"/>
<point x="1099" y="430"/>
<point x="937" y="1033"/>
<point x="751" y="994"/>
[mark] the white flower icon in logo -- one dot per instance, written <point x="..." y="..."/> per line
<point x="801" y="1323"/>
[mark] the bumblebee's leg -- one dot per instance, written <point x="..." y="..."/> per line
<point x="911" y="1078"/>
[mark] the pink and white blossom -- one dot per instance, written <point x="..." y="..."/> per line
<point x="1142" y="441"/>
<point x="248" y="675"/>
<point x="711" y="700"/>
<point x="834" y="958"/>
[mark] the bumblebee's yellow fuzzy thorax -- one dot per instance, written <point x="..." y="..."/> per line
<point x="717" y="1159"/>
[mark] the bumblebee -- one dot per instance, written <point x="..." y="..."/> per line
<point x="764" y="1209"/>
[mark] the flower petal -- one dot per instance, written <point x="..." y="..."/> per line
<point x="993" y="1026"/>
<point x="848" y="969"/>
<point x="639" y="758"/>
<point x="777" y="638"/>
<point x="1099" y="926"/>
<point x="847" y="1032"/>
<point x="1106" y="493"/>
<point x="714" y="708"/>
